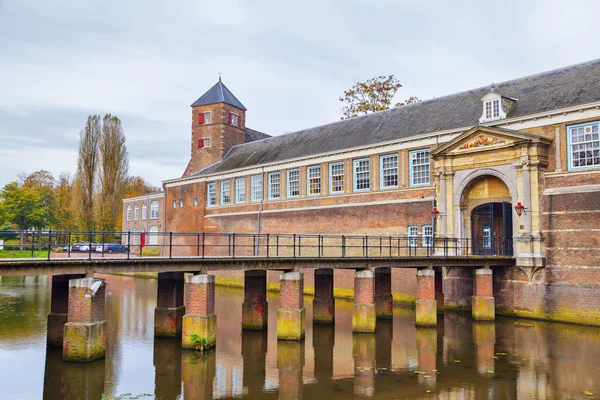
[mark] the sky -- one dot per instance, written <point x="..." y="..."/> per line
<point x="287" y="62"/>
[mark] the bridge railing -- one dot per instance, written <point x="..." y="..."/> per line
<point x="92" y="245"/>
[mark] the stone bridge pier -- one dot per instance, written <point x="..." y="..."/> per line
<point x="169" y="305"/>
<point x="59" y="306"/>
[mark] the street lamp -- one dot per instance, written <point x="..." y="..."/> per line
<point x="520" y="209"/>
<point x="435" y="214"/>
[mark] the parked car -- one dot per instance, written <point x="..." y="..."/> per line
<point x="111" y="248"/>
<point x="79" y="246"/>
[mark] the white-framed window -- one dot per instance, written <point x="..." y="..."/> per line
<point x="136" y="210"/>
<point x="154" y="209"/>
<point x="134" y="236"/>
<point x="195" y="201"/>
<point x="336" y="177"/>
<point x="207" y="118"/>
<point x="413" y="236"/>
<point x="314" y="180"/>
<point x="362" y="175"/>
<point x="419" y="167"/>
<point x="152" y="237"/>
<point x="144" y="211"/>
<point x="427" y="235"/>
<point x="174" y="203"/>
<point x="234" y="119"/>
<point x="180" y="203"/>
<point x="274" y="186"/>
<point x="225" y="192"/>
<point x="487" y="237"/>
<point x="492" y="109"/>
<point x="127" y="234"/>
<point x="389" y="171"/>
<point x="584" y="146"/>
<point x="128" y="213"/>
<point x="211" y="194"/>
<point x="293" y="183"/>
<point x="256" y="188"/>
<point x="206" y="142"/>
<point x="240" y="190"/>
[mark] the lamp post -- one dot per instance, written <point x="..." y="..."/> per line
<point x="520" y="209"/>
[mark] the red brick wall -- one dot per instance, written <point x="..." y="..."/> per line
<point x="483" y="284"/>
<point x="364" y="290"/>
<point x="200" y="298"/>
<point x="291" y="293"/>
<point x="425" y="287"/>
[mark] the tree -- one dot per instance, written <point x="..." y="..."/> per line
<point x="376" y="94"/>
<point x="63" y="191"/>
<point x="87" y="167"/>
<point x="137" y="186"/>
<point x="25" y="206"/>
<point x="114" y="165"/>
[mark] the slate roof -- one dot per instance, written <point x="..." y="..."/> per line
<point x="218" y="94"/>
<point x="565" y="87"/>
<point x="250" y="135"/>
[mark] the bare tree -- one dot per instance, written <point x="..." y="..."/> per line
<point x="87" y="167"/>
<point x="113" y="169"/>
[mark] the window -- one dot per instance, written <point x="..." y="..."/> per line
<point x="427" y="236"/>
<point x="257" y="188"/>
<point x="584" y="144"/>
<point x="144" y="211"/>
<point x="234" y="119"/>
<point x="135" y="212"/>
<point x="211" y="194"/>
<point x="225" y="192"/>
<point x="419" y="167"/>
<point x="336" y="177"/>
<point x="362" y="174"/>
<point x="389" y="171"/>
<point x="127" y="234"/>
<point x="134" y="236"/>
<point x="206" y="141"/>
<point x="293" y="183"/>
<point x="174" y="203"/>
<point x="128" y="213"/>
<point x="487" y="237"/>
<point x="413" y="236"/>
<point x="314" y="180"/>
<point x="152" y="237"/>
<point x="274" y="186"/>
<point x="195" y="201"/>
<point x="154" y="209"/>
<point x="492" y="109"/>
<point x="207" y="117"/>
<point x="240" y="190"/>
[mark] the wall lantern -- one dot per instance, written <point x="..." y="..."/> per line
<point x="435" y="214"/>
<point x="520" y="209"/>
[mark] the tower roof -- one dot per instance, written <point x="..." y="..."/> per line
<point x="218" y="94"/>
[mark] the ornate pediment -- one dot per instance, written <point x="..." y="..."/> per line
<point x="481" y="140"/>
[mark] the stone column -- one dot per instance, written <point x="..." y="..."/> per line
<point x="426" y="303"/>
<point x="384" y="304"/>
<point x="290" y="362"/>
<point x="483" y="306"/>
<point x="484" y="337"/>
<point x="59" y="306"/>
<point x="439" y="289"/>
<point x="254" y="354"/>
<point x="291" y="312"/>
<point x="363" y="350"/>
<point x="363" y="310"/>
<point x="323" y="303"/>
<point x="254" y="307"/>
<point x="200" y="320"/>
<point x="169" y="309"/>
<point x="84" y="337"/>
<point x="427" y="355"/>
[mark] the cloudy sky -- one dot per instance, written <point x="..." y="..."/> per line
<point x="288" y="62"/>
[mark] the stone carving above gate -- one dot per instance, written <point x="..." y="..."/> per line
<point x="482" y="140"/>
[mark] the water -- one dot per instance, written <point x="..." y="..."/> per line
<point x="509" y="359"/>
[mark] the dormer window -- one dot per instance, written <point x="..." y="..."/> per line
<point x="492" y="109"/>
<point x="495" y="107"/>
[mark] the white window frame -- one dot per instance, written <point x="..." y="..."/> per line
<point x="136" y="212"/>
<point x="313" y="179"/>
<point x="127" y="236"/>
<point x="174" y="203"/>
<point x="332" y="175"/>
<point x="274" y="194"/>
<point x="154" y="209"/>
<point x="584" y="144"/>
<point x="387" y="170"/>
<point x="180" y="203"/>
<point x="240" y="190"/>
<point x="207" y="118"/>
<point x="211" y="194"/>
<point x="134" y="234"/>
<point x="427" y="232"/>
<point x="413" y="236"/>
<point x="225" y="192"/>
<point x="195" y="201"/>
<point x="296" y="182"/>
<point x="486" y="240"/>
<point x="234" y="119"/>
<point x="358" y="163"/>
<point x="413" y="157"/>
<point x="206" y="141"/>
<point x="144" y="211"/>
<point x="256" y="188"/>
<point x="152" y="236"/>
<point x="128" y="213"/>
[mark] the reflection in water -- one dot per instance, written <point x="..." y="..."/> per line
<point x="460" y="359"/>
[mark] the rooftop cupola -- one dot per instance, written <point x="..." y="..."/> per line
<point x="495" y="106"/>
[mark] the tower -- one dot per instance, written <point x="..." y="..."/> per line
<point x="218" y="124"/>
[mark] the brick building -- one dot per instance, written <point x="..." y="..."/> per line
<point x="473" y="155"/>
<point x="144" y="219"/>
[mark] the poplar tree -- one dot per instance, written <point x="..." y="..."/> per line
<point x="87" y="168"/>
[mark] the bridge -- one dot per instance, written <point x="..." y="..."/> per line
<point x="77" y="321"/>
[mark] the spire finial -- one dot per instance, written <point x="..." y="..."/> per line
<point x="493" y="87"/>
<point x="219" y="77"/>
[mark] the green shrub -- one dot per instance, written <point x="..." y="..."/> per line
<point x="151" y="251"/>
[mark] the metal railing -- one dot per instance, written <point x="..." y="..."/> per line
<point x="94" y="245"/>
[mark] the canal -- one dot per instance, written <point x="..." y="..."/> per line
<point x="461" y="359"/>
